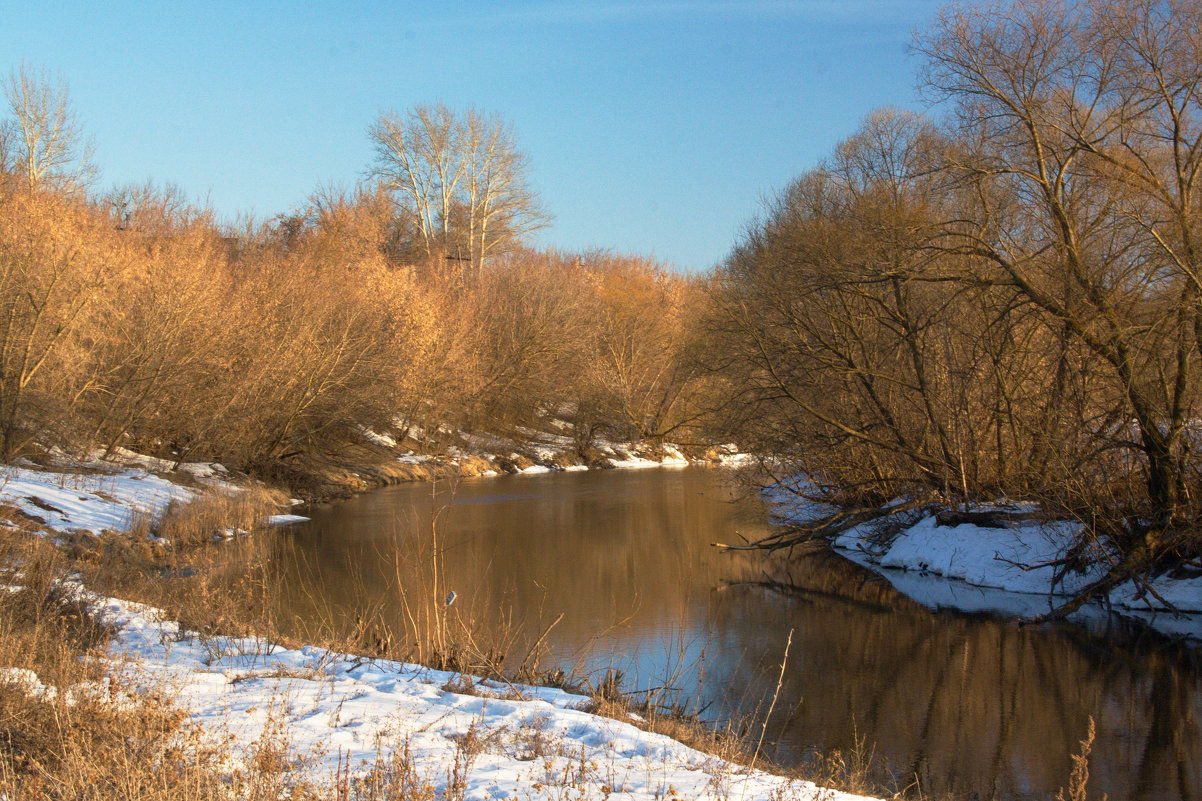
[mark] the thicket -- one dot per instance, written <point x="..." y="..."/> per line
<point x="1003" y="301"/>
<point x="408" y="304"/>
<point x="155" y="328"/>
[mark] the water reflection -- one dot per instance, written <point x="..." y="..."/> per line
<point x="963" y="703"/>
<point x="973" y="705"/>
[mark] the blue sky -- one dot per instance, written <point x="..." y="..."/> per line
<point x="652" y="127"/>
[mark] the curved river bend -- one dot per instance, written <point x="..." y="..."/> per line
<point x="969" y="704"/>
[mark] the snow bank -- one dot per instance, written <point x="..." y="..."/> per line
<point x="96" y="496"/>
<point x="1005" y="558"/>
<point x="1015" y="563"/>
<point x="328" y="705"/>
<point x="67" y="501"/>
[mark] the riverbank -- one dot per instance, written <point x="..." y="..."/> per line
<point x="342" y="722"/>
<point x="406" y="454"/>
<point x="374" y="460"/>
<point x="1001" y="558"/>
<point x="258" y="713"/>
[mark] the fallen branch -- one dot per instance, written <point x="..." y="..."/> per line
<point x="1025" y="567"/>
<point x="1138" y="562"/>
<point x="828" y="527"/>
<point x="985" y="519"/>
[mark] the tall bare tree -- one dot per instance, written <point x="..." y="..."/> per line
<point x="459" y="178"/>
<point x="46" y="140"/>
<point x="502" y="209"/>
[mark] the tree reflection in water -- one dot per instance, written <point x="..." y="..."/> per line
<point x="966" y="703"/>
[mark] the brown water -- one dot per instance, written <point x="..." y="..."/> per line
<point x="969" y="704"/>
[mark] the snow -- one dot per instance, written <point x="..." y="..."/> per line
<point x="203" y="470"/>
<point x="27" y="681"/>
<point x="730" y="456"/>
<point x="987" y="557"/>
<point x="634" y="463"/>
<point x="548" y="451"/>
<point x="377" y="438"/>
<point x="673" y="456"/>
<point x="330" y="704"/>
<point x="71" y="501"/>
<point x="128" y="458"/>
<point x="626" y="457"/>
<point x="284" y="520"/>
<point x="1004" y="569"/>
<point x="94" y="502"/>
<point x="412" y="458"/>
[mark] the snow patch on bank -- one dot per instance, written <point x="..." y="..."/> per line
<point x="93" y="495"/>
<point x="331" y="704"/>
<point x="1015" y="559"/>
<point x="285" y="520"/>
<point x="532" y="451"/>
<point x="69" y="501"/>
<point x="1010" y="569"/>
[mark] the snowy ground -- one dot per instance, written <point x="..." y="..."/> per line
<point x="96" y="496"/>
<point x="534" y="742"/>
<point x="1006" y="569"/>
<point x="94" y="502"/>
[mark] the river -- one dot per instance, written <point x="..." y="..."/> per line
<point x="968" y="704"/>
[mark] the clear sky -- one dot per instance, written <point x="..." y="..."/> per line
<point x="652" y="127"/>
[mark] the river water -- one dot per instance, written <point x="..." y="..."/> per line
<point x="969" y="704"/>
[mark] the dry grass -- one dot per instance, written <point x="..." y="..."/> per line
<point x="82" y="730"/>
<point x="858" y="770"/>
<point x="102" y="742"/>
<point x="729" y="742"/>
<point x="212" y="515"/>
<point x="202" y="570"/>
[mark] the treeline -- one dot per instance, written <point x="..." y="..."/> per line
<point x="131" y="319"/>
<point x="1003" y="301"/>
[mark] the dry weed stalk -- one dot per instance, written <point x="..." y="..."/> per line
<point x="1079" y="777"/>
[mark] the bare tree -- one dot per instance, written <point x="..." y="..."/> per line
<point x="46" y="140"/>
<point x="502" y="207"/>
<point x="848" y="334"/>
<point x="459" y="179"/>
<point x="1081" y="158"/>
<point x="413" y="156"/>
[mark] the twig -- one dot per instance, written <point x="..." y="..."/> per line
<point x="825" y="528"/>
<point x="779" y="681"/>
<point x="1025" y="566"/>
<point x="538" y="643"/>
